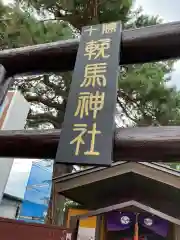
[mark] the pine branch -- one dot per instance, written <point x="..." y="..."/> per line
<point x="55" y="87"/>
<point x="126" y="112"/>
<point x="47" y="102"/>
<point x="5" y="19"/>
<point x="41" y="118"/>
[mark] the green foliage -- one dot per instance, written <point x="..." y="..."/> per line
<point x="19" y="28"/>
<point x="71" y="204"/>
<point x="175" y="166"/>
<point x="145" y="97"/>
<point x="135" y="19"/>
<point x="79" y="12"/>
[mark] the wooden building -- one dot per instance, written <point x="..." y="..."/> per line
<point x="140" y="188"/>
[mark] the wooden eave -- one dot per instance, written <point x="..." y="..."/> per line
<point x="149" y="183"/>
<point x="125" y="207"/>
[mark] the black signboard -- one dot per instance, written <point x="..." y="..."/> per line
<point x="88" y="129"/>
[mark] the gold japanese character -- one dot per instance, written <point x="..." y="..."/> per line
<point x="96" y="49"/>
<point x="82" y="128"/>
<point x="96" y="103"/>
<point x="95" y="75"/>
<point x="83" y="105"/>
<point x="90" y="30"/>
<point x="109" y="27"/>
<point x="89" y="102"/>
<point x="93" y="133"/>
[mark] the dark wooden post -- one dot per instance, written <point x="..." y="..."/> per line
<point x="74" y="225"/>
<point x="4" y="83"/>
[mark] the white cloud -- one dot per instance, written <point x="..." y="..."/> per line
<point x="166" y="9"/>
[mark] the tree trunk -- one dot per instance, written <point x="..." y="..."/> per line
<point x="56" y="203"/>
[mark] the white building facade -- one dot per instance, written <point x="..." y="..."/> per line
<point x="13" y="114"/>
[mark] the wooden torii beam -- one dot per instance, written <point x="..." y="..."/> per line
<point x="154" y="43"/>
<point x="130" y="144"/>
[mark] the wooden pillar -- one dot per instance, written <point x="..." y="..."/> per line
<point x="98" y="227"/>
<point x="176" y="232"/>
<point x="103" y="228"/>
<point x="74" y="225"/>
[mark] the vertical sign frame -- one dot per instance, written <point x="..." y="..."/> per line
<point x="88" y="128"/>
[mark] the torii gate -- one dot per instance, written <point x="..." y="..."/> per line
<point x="147" y="44"/>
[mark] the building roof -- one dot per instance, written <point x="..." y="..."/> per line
<point x="151" y="184"/>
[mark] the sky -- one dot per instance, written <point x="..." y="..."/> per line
<point x="168" y="11"/>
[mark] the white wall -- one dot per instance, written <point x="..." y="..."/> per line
<point x="8" y="208"/>
<point x="14" y="120"/>
<point x="17" y="113"/>
<point x="86" y="233"/>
